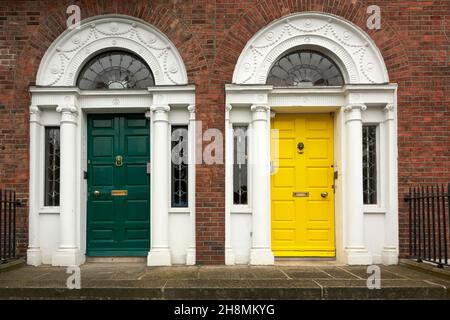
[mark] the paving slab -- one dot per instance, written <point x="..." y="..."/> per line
<point x="134" y="280"/>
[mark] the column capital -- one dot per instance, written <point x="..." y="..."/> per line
<point x="67" y="109"/>
<point x="35" y="114"/>
<point x="355" y="106"/>
<point x="160" y="108"/>
<point x="260" y="108"/>
<point x="148" y="114"/>
<point x="389" y="111"/>
<point x="69" y="113"/>
<point x="191" y="108"/>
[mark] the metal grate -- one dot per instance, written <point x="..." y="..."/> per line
<point x="8" y="204"/>
<point x="429" y="221"/>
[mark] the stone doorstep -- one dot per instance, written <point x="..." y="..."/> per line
<point x="10" y="265"/>
<point x="427" y="267"/>
<point x="226" y="293"/>
<point x="225" y="289"/>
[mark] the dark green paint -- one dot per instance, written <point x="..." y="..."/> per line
<point x="118" y="225"/>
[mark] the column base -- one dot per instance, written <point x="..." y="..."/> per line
<point x="358" y="256"/>
<point x="389" y="256"/>
<point x="190" y="257"/>
<point x="34" y="257"/>
<point x="261" y="257"/>
<point x="229" y="257"/>
<point x="159" y="257"/>
<point x="67" y="257"/>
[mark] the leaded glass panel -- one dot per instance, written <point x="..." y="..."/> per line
<point x="116" y="70"/>
<point x="305" y="68"/>
<point x="370" y="164"/>
<point x="179" y="166"/>
<point x="240" y="179"/>
<point x="52" y="166"/>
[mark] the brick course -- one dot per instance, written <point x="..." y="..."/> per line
<point x="210" y="35"/>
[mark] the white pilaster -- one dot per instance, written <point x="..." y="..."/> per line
<point x="261" y="252"/>
<point x="356" y="252"/>
<point x="159" y="254"/>
<point x="68" y="252"/>
<point x="390" y="250"/>
<point x="34" y="254"/>
<point x="229" y="253"/>
<point x="190" y="254"/>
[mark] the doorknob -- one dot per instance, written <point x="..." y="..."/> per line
<point x="324" y="194"/>
<point x="300" y="147"/>
<point x="96" y="193"/>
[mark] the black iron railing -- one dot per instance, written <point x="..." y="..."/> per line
<point x="8" y="205"/>
<point x="429" y="224"/>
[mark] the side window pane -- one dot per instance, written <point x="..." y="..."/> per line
<point x="370" y="164"/>
<point x="240" y="145"/>
<point x="179" y="166"/>
<point x="52" y="159"/>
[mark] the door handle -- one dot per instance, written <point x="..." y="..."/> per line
<point x="324" y="194"/>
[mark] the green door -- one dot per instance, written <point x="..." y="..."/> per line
<point x="118" y="209"/>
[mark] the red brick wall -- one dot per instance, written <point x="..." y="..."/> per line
<point x="210" y="35"/>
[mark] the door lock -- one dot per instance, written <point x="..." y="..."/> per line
<point x="119" y="161"/>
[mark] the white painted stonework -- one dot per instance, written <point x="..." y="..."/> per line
<point x="364" y="234"/>
<point x="349" y="46"/>
<point x="65" y="57"/>
<point x="58" y="234"/>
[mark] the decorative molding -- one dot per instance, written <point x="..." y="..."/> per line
<point x="160" y="108"/>
<point x="191" y="108"/>
<point x="259" y="108"/>
<point x="35" y="114"/>
<point x="67" y="109"/>
<point x="73" y="48"/>
<point x="148" y="114"/>
<point x="389" y="107"/>
<point x="351" y="107"/>
<point x="351" y="48"/>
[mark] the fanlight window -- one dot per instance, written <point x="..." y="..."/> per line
<point x="116" y="70"/>
<point x="305" y="68"/>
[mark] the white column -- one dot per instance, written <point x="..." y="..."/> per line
<point x="261" y="252"/>
<point x="190" y="255"/>
<point x="229" y="253"/>
<point x="34" y="254"/>
<point x="356" y="251"/>
<point x="159" y="254"/>
<point x="68" y="252"/>
<point x="390" y="249"/>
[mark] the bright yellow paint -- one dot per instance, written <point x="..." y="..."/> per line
<point x="303" y="226"/>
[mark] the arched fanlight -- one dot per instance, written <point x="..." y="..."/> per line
<point x="305" y="68"/>
<point x="115" y="70"/>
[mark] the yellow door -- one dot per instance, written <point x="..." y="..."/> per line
<point x="302" y="186"/>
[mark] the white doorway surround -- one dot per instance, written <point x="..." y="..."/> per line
<point x="365" y="234"/>
<point x="58" y="233"/>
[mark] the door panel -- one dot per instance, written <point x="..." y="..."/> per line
<point x="118" y="225"/>
<point x="303" y="226"/>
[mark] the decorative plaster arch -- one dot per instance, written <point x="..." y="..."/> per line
<point x="65" y="57"/>
<point x="355" y="52"/>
